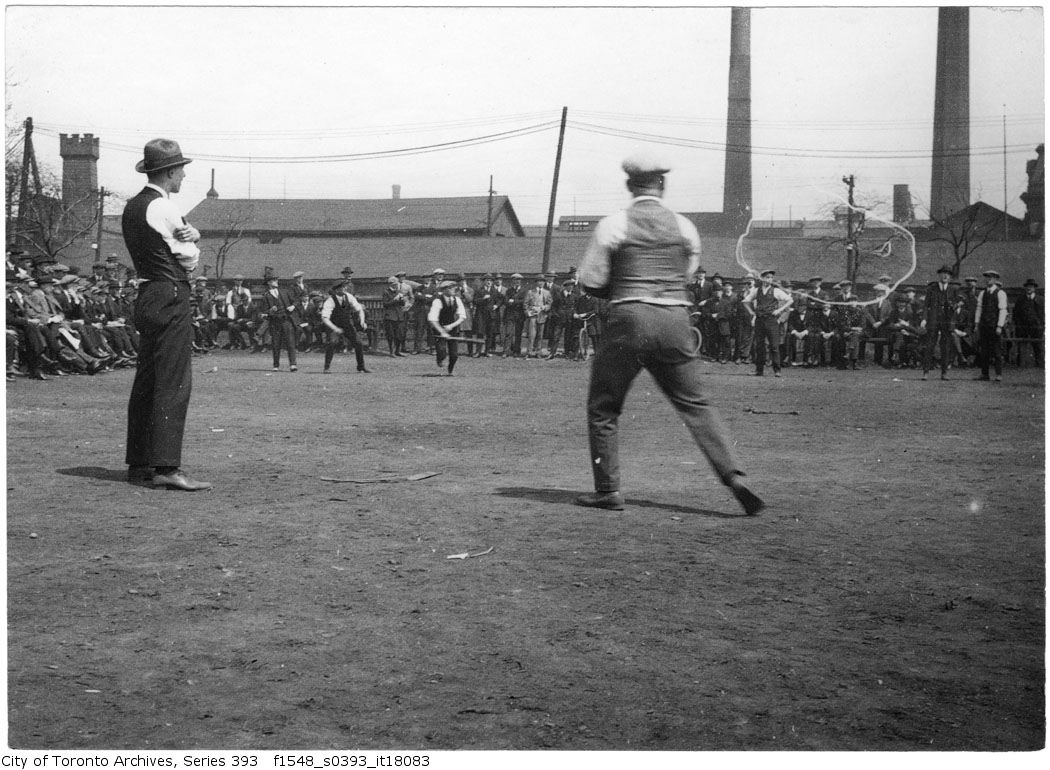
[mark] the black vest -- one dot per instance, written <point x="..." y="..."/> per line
<point x="447" y="314"/>
<point x="990" y="308"/>
<point x="342" y="314"/>
<point x="151" y="256"/>
<point x="765" y="304"/>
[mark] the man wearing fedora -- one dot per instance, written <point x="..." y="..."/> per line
<point x="937" y="321"/>
<point x="163" y="249"/>
<point x="990" y="318"/>
<point x="1029" y="320"/>
<point x="640" y="260"/>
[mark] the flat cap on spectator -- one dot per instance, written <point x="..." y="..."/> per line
<point x="438" y="271"/>
<point x="816" y="279"/>
<point x="402" y="274"/>
<point x="58" y="267"/>
<point x="970" y="279"/>
<point x="200" y="278"/>
<point x="487" y="277"/>
<point x="908" y="289"/>
<point x="298" y="274"/>
<point x="518" y="276"/>
<point x="644" y="166"/>
<point x="846" y="282"/>
<point x="392" y="279"/>
<point x="67" y="279"/>
<point x="316" y="293"/>
<point x="884" y="279"/>
<point x="764" y="273"/>
<point x="446" y="284"/>
<point x="991" y="274"/>
<point x="498" y="275"/>
<point x="238" y="277"/>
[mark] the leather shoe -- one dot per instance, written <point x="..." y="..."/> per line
<point x="139" y="474"/>
<point x="179" y="480"/>
<point x="38" y="376"/>
<point x="751" y="502"/>
<point x="365" y="371"/>
<point x="611" y="501"/>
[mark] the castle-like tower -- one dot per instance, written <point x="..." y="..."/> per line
<point x="79" y="173"/>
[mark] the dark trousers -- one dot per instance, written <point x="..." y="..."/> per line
<point x="991" y="347"/>
<point x="1031" y="332"/>
<point x="283" y="335"/>
<point x="395" y="334"/>
<point x="943" y="336"/>
<point x="351" y="339"/>
<point x="160" y="394"/>
<point x="446" y="349"/>
<point x="660" y="340"/>
<point x="767" y="334"/>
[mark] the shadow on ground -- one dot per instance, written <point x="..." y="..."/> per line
<point x="567" y="496"/>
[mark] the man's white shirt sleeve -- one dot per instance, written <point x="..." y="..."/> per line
<point x="164" y="217"/>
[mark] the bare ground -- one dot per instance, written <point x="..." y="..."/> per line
<point x="891" y="598"/>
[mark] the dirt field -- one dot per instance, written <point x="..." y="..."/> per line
<point x="891" y="598"/>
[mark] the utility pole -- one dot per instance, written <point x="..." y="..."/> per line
<point x="851" y="240"/>
<point x="98" y="239"/>
<point x="28" y="162"/>
<point x="554" y="194"/>
<point x="488" y="220"/>
<point x="1006" y="218"/>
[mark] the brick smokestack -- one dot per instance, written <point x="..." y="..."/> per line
<point x="736" y="197"/>
<point x="950" y="179"/>
<point x="79" y="173"/>
<point x="903" y="211"/>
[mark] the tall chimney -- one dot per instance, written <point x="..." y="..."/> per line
<point x="212" y="193"/>
<point x="736" y="199"/>
<point x="950" y="179"/>
<point x="903" y="211"/>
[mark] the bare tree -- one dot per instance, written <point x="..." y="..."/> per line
<point x="966" y="231"/>
<point x="232" y="233"/>
<point x="50" y="225"/>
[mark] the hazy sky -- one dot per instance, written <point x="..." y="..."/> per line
<point x="834" y="91"/>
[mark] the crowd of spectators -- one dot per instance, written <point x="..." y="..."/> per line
<point x="60" y="323"/>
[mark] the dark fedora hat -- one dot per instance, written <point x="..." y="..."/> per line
<point x="160" y="154"/>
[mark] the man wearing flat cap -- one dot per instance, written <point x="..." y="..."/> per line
<point x="163" y="249"/>
<point x="446" y="315"/>
<point x="990" y="318"/>
<point x="766" y="303"/>
<point x="640" y="260"/>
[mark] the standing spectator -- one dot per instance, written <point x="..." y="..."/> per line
<point x="560" y="319"/>
<point x="537" y="308"/>
<point x="298" y="289"/>
<point x="937" y="321"/>
<point x="879" y="312"/>
<point x="466" y="295"/>
<point x="486" y="301"/>
<point x="394" y="301"/>
<point x="446" y="314"/>
<point x="990" y="318"/>
<point x="1029" y="319"/>
<point x="722" y="315"/>
<point x="513" y="316"/>
<point x="238" y="314"/>
<point x="283" y="317"/>
<point x="424" y="298"/>
<point x="164" y="251"/>
<point x="767" y="302"/>
<point x="501" y="309"/>
<point x="815" y="295"/>
<point x="344" y="317"/>
<point x="963" y="344"/>
<point x="745" y="323"/>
